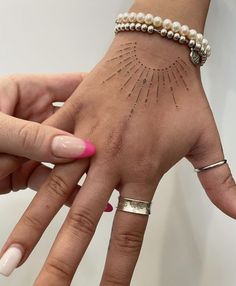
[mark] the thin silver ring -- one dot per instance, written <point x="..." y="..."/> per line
<point x="217" y="164"/>
<point x="134" y="206"/>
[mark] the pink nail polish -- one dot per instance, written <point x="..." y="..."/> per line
<point x="88" y="151"/>
<point x="109" y="208"/>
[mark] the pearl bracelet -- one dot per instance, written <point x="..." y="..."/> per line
<point x="200" y="50"/>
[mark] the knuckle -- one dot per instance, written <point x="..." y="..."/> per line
<point x="114" y="280"/>
<point x="32" y="222"/>
<point x="144" y="166"/>
<point x="81" y="222"/>
<point x="228" y="181"/>
<point x="29" y="134"/>
<point x="58" y="268"/>
<point x="3" y="173"/>
<point x="130" y="242"/>
<point x="58" y="186"/>
<point x="115" y="140"/>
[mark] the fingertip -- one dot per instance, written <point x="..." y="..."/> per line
<point x="83" y="75"/>
<point x="11" y="259"/>
<point x="109" y="208"/>
<point x="89" y="150"/>
<point x="71" y="147"/>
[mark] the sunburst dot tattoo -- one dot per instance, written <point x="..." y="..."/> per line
<point x="143" y="83"/>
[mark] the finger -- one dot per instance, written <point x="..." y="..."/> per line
<point x="58" y="86"/>
<point x="9" y="164"/>
<point x="61" y="119"/>
<point x="47" y="202"/>
<point x="78" y="229"/>
<point x="218" y="182"/>
<point x="42" y="173"/>
<point x="5" y="186"/>
<point x="18" y="180"/>
<point x="126" y="238"/>
<point x="39" y="142"/>
<point x="62" y="86"/>
<point x="33" y="175"/>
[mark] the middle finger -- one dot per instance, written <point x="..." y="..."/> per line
<point x="78" y="228"/>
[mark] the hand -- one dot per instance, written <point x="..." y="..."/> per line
<point x="143" y="119"/>
<point x="31" y="98"/>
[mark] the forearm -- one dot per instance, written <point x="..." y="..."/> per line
<point x="190" y="12"/>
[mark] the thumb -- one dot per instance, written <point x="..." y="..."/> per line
<point x="218" y="182"/>
<point x="40" y="142"/>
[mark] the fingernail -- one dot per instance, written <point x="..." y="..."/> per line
<point x="10" y="260"/>
<point x="89" y="150"/>
<point x="71" y="147"/>
<point x="109" y="208"/>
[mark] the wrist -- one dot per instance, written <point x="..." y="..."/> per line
<point x="190" y="12"/>
<point x="154" y="51"/>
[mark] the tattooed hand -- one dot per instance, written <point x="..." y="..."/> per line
<point x="144" y="107"/>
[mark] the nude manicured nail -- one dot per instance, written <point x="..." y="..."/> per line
<point x="71" y="147"/>
<point x="10" y="260"/>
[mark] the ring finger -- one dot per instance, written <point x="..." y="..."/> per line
<point x="126" y="238"/>
<point x="47" y="202"/>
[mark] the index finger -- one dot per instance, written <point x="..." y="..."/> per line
<point x="58" y="86"/>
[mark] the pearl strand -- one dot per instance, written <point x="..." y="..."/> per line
<point x="199" y="46"/>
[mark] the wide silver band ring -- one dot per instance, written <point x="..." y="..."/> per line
<point x="217" y="164"/>
<point x="134" y="206"/>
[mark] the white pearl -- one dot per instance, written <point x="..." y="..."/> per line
<point x="140" y="17"/>
<point x="184" y="30"/>
<point x="192" y="34"/>
<point x="198" y="47"/>
<point x="199" y="38"/>
<point x="125" y="17"/>
<point x="119" y="18"/>
<point x="132" y="17"/>
<point x="167" y="24"/>
<point x="204" y="43"/>
<point x="209" y="53"/>
<point x="208" y="48"/>
<point x="157" y="21"/>
<point x="149" y="19"/>
<point x="176" y="27"/>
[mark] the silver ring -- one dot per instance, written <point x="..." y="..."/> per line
<point x="217" y="164"/>
<point x="134" y="206"/>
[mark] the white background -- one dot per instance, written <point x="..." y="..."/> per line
<point x="188" y="242"/>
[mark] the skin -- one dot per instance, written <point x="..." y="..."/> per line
<point x="31" y="98"/>
<point x="134" y="150"/>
